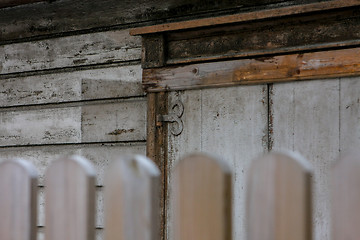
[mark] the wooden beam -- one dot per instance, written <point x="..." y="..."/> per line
<point x="11" y="3"/>
<point x="249" y="16"/>
<point x="156" y="148"/>
<point x="260" y="70"/>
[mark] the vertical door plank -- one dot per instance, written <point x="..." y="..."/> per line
<point x="18" y="181"/>
<point x="70" y="200"/>
<point x="346" y="197"/>
<point x="279" y="198"/>
<point x="305" y="118"/>
<point x="202" y="199"/>
<point x="132" y="195"/>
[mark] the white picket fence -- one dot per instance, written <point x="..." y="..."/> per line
<point x="279" y="202"/>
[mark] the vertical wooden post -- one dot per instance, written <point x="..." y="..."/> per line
<point x="132" y="199"/>
<point x="202" y="199"/>
<point x="70" y="200"/>
<point x="18" y="183"/>
<point x="346" y="198"/>
<point x="157" y="147"/>
<point x="279" y="198"/>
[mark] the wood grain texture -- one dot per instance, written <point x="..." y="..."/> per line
<point x="100" y="155"/>
<point x="229" y="122"/>
<point x="70" y="200"/>
<point x="118" y="121"/>
<point x="11" y="3"/>
<point x="157" y="148"/>
<point x="114" y="82"/>
<point x="132" y="197"/>
<point x="78" y="50"/>
<point x="349" y="114"/>
<point x="320" y="30"/>
<point x="315" y="65"/>
<point x="66" y="16"/>
<point x="248" y="16"/>
<point x="345" y="197"/>
<point x="18" y="202"/>
<point x="202" y="191"/>
<point x="305" y="118"/>
<point x="279" y="198"/>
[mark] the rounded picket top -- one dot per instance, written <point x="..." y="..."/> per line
<point x="345" y="193"/>
<point x="132" y="199"/>
<point x="18" y="200"/>
<point x="202" y="196"/>
<point x="279" y="202"/>
<point x="70" y="199"/>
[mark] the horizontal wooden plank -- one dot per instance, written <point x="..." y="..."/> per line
<point x="100" y="155"/>
<point x="118" y="121"/>
<point x="101" y="83"/>
<point x="274" y="36"/>
<point x="79" y="50"/>
<point x="73" y="15"/>
<point x="10" y="3"/>
<point x="243" y="17"/>
<point x="315" y="65"/>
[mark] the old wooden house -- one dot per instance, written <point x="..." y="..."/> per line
<point x="166" y="78"/>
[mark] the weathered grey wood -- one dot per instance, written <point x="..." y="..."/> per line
<point x="202" y="189"/>
<point x="279" y="198"/>
<point x="70" y="200"/>
<point x="349" y="114"/>
<point x="18" y="180"/>
<point x="101" y="83"/>
<point x="100" y="155"/>
<point x="229" y="122"/>
<point x="117" y="121"/>
<point x="68" y="15"/>
<point x="346" y="197"/>
<point x="79" y="50"/>
<point x="305" y="118"/>
<point x="132" y="199"/>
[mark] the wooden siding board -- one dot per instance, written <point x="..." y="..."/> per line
<point x="306" y="119"/>
<point x="118" y="121"/>
<point x="71" y="51"/>
<point x="228" y="122"/>
<point x="114" y="82"/>
<point x="68" y="15"/>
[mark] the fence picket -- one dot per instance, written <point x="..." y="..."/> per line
<point x="346" y="198"/>
<point x="132" y="199"/>
<point x="202" y="199"/>
<point x="70" y="200"/>
<point x="279" y="198"/>
<point x="18" y="182"/>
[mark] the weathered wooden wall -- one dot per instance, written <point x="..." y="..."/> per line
<point x="70" y="83"/>
<point x="78" y="94"/>
<point x="318" y="118"/>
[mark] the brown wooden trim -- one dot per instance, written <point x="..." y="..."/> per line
<point x="282" y="68"/>
<point x="156" y="148"/>
<point x="243" y="17"/>
<point x="10" y="3"/>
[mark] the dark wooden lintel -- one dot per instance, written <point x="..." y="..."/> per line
<point x="244" y="17"/>
<point x="260" y="70"/>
